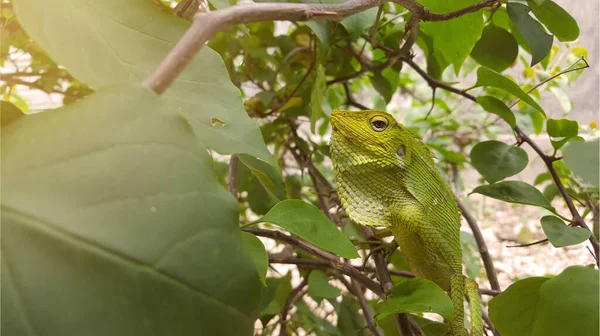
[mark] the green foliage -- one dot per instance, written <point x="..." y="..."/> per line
<point x="496" y="160"/>
<point x="514" y="192"/>
<point x="561" y="235"/>
<point x="113" y="207"/>
<point x="255" y="249"/>
<point x="490" y="78"/>
<point x="564" y="305"/>
<point x="536" y="40"/>
<point x="309" y="223"/>
<point x="319" y="287"/>
<point x="497" y="49"/>
<point x="583" y="159"/>
<point x="416" y="296"/>
<point x="119" y="241"/>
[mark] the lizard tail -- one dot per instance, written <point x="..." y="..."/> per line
<point x="475" y="305"/>
<point x="457" y="295"/>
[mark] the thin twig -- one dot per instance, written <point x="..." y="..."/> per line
<point x="530" y="244"/>
<point x="331" y="259"/>
<point x="490" y="271"/>
<point x="291" y="298"/>
<point x="354" y="288"/>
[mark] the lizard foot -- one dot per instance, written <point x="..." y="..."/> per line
<point x="387" y="249"/>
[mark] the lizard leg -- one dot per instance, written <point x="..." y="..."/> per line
<point x="457" y="295"/>
<point x="386" y="248"/>
<point x="475" y="304"/>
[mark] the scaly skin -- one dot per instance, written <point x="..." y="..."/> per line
<point x="386" y="178"/>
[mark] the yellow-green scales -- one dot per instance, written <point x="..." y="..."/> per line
<point x="386" y="177"/>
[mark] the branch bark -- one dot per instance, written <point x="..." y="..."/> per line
<point x="206" y="25"/>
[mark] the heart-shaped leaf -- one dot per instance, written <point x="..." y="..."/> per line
<point x="561" y="131"/>
<point x="561" y="235"/>
<point x="256" y="250"/>
<point x="556" y="19"/>
<point x="495" y="160"/>
<point x="308" y="222"/>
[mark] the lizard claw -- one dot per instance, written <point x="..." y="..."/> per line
<point x="387" y="249"/>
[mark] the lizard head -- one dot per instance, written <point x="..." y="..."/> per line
<point x="370" y="133"/>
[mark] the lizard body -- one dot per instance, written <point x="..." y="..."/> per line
<point x="386" y="177"/>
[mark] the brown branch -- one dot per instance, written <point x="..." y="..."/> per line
<point x="332" y="260"/>
<point x="402" y="320"/>
<point x="350" y="99"/>
<point x="294" y="296"/>
<point x="206" y="25"/>
<point x="354" y="288"/>
<point x="530" y="244"/>
<point x="577" y="219"/>
<point x="490" y="271"/>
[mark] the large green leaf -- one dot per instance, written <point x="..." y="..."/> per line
<point x="308" y="222"/>
<point x="542" y="306"/>
<point x="488" y="77"/>
<point x="514" y="192"/>
<point x="556" y="19"/>
<point x="416" y="295"/>
<point x="497" y="107"/>
<point x="583" y="158"/>
<point x="495" y="160"/>
<point x="111" y="208"/>
<point x="453" y="38"/>
<point x="561" y="235"/>
<point x="106" y="42"/>
<point x="497" y="49"/>
<point x="513" y="311"/>
<point x="538" y="41"/>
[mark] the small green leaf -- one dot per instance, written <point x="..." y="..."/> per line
<point x="308" y="222"/>
<point x="350" y="322"/>
<point x="532" y="31"/>
<point x="385" y="83"/>
<point x="497" y="49"/>
<point x="561" y="235"/>
<point x="268" y="176"/>
<point x="357" y="23"/>
<point x="316" y="97"/>
<point x="488" y="77"/>
<point x="429" y="327"/>
<point x="583" y="159"/>
<point x="255" y="249"/>
<point x="495" y="160"/>
<point x="513" y="311"/>
<point x="497" y="107"/>
<point x="514" y="192"/>
<point x="561" y="131"/>
<point x="556" y="19"/>
<point x="9" y="112"/>
<point x="319" y="287"/>
<point x="416" y="295"/>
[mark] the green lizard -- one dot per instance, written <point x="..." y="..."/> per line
<point x="386" y="178"/>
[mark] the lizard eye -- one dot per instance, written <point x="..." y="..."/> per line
<point x="378" y="124"/>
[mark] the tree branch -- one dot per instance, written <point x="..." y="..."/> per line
<point x="490" y="271"/>
<point x="354" y="288"/>
<point x="232" y="175"/>
<point x="206" y="25"/>
<point x="294" y="296"/>
<point x="332" y="260"/>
